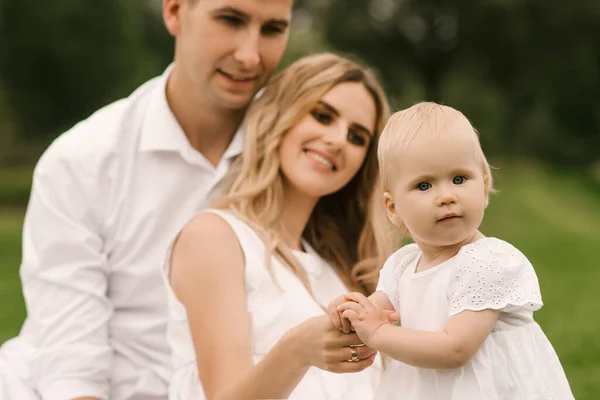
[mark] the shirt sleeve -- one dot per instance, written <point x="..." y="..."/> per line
<point x="492" y="274"/>
<point x="64" y="275"/>
<point x="389" y="276"/>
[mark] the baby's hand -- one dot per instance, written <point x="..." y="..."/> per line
<point x="366" y="318"/>
<point x="338" y="321"/>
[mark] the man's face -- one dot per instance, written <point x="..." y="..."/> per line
<point x="227" y="49"/>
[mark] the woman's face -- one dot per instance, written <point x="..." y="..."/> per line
<point x="325" y="149"/>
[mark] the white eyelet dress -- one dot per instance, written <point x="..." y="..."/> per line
<point x="515" y="362"/>
<point x="272" y="312"/>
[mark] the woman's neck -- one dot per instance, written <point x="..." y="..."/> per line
<point x="296" y="211"/>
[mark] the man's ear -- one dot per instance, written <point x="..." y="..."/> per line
<point x="171" y="12"/>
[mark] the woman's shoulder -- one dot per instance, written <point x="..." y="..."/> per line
<point x="217" y="223"/>
<point x="209" y="224"/>
<point x="216" y="230"/>
<point x="205" y="234"/>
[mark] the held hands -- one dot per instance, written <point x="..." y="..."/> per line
<point x="318" y="343"/>
<point x="356" y="312"/>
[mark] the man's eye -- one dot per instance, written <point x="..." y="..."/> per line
<point x="270" y="30"/>
<point x="231" y="20"/>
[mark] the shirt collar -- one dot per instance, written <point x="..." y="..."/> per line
<point x="162" y="132"/>
<point x="236" y="146"/>
<point x="160" y="129"/>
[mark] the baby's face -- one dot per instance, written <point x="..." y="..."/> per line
<point x="439" y="191"/>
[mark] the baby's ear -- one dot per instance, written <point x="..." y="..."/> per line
<point x="486" y="189"/>
<point x="390" y="209"/>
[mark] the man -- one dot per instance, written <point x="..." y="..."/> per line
<point x="109" y="195"/>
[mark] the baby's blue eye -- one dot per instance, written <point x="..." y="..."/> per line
<point x="424" y="186"/>
<point x="459" y="180"/>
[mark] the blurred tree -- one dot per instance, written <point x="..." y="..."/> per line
<point x="61" y="60"/>
<point x="525" y="71"/>
<point x="537" y="62"/>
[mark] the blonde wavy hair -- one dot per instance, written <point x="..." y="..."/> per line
<point x="347" y="228"/>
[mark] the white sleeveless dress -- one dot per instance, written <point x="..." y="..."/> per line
<point x="272" y="312"/>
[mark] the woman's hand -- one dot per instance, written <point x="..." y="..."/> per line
<point x="317" y="342"/>
<point x="338" y="322"/>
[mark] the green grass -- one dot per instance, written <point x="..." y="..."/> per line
<point x="552" y="216"/>
<point x="12" y="309"/>
<point x="15" y="184"/>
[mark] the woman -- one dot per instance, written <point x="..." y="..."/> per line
<point x="299" y="224"/>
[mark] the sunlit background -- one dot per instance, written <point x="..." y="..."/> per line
<point x="526" y="72"/>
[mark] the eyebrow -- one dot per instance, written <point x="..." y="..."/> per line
<point x="282" y="23"/>
<point x="333" y="110"/>
<point x="420" y="178"/>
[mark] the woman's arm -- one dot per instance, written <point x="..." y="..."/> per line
<point x="451" y="347"/>
<point x="207" y="275"/>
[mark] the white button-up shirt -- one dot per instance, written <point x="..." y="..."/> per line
<point x="108" y="197"/>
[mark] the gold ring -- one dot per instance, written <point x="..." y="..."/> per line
<point x="353" y="355"/>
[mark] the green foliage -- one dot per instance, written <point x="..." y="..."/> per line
<point x="15" y="186"/>
<point x="529" y="66"/>
<point x="61" y="60"/>
<point x="524" y="71"/>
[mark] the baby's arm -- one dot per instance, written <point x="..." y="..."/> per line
<point x="382" y="301"/>
<point x="451" y="347"/>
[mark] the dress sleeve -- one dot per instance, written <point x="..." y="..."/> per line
<point x="492" y="274"/>
<point x="389" y="276"/>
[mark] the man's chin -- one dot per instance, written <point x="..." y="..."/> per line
<point x="234" y="103"/>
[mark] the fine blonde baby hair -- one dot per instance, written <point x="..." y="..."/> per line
<point x="422" y="118"/>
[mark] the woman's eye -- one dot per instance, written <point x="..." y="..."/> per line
<point x="322" y="117"/>
<point x="356" y="139"/>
